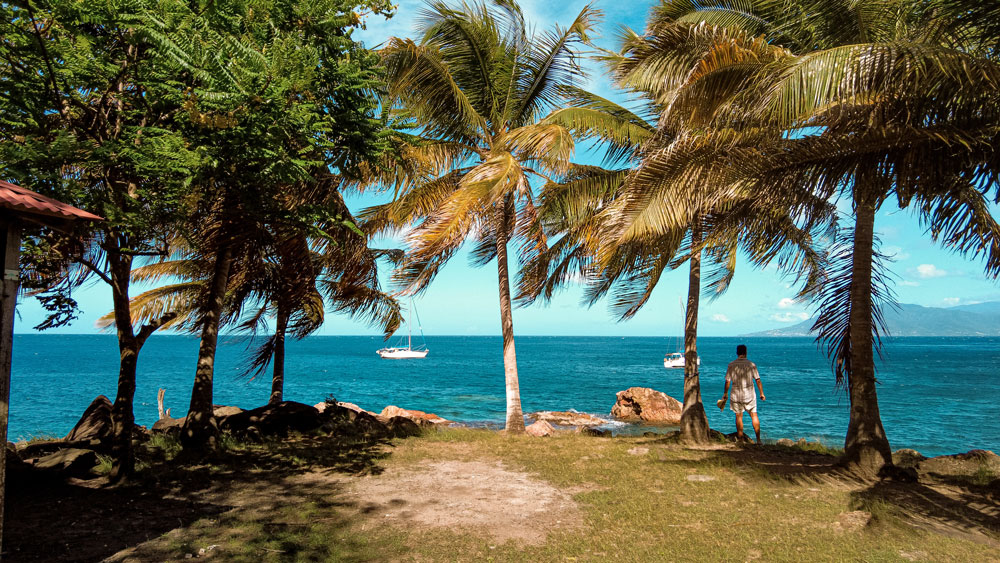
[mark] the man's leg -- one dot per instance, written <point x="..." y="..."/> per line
<point x="739" y="426"/>
<point x="756" y="424"/>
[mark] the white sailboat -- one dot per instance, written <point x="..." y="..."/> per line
<point x="409" y="352"/>
<point x="675" y="360"/>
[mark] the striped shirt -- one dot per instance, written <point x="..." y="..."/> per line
<point x="740" y="376"/>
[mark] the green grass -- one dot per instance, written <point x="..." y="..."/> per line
<point x="631" y="508"/>
<point x="104" y="463"/>
<point x="643" y="508"/>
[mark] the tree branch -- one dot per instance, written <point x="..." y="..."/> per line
<point x="93" y="268"/>
<point x="148" y="329"/>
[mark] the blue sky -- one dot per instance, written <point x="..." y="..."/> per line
<point x="463" y="299"/>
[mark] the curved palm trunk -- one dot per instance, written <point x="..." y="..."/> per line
<point x="278" y="376"/>
<point x="694" y="422"/>
<point x="515" y="418"/>
<point x="200" y="427"/>
<point x="866" y="445"/>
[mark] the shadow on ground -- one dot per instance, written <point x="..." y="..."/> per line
<point x="946" y="503"/>
<point x="56" y="521"/>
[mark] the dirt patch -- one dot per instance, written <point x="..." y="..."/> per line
<point x="468" y="495"/>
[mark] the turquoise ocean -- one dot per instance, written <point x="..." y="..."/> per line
<point x="937" y="395"/>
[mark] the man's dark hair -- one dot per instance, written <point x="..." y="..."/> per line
<point x="741" y="350"/>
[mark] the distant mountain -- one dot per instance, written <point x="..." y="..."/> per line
<point x="982" y="319"/>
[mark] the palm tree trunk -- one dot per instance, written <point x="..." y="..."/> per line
<point x="515" y="418"/>
<point x="278" y="378"/>
<point x="200" y="429"/>
<point x="866" y="446"/>
<point x="122" y="413"/>
<point x="694" y="422"/>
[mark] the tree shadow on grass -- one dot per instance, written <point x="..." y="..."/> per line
<point x="950" y="504"/>
<point x="954" y="509"/>
<point x="276" y="501"/>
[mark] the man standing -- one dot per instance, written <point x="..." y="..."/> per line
<point x="741" y="375"/>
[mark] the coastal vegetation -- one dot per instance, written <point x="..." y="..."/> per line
<point x="475" y="87"/>
<point x="218" y="138"/>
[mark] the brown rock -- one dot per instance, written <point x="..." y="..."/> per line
<point x="220" y="411"/>
<point x="402" y="427"/>
<point x="70" y="462"/>
<point x="273" y="420"/>
<point x="540" y="429"/>
<point x="168" y="425"/>
<point x="567" y="418"/>
<point x="416" y="416"/>
<point x="593" y="432"/>
<point x="977" y="455"/>
<point x="647" y="405"/>
<point x="95" y="424"/>
<point x="367" y="426"/>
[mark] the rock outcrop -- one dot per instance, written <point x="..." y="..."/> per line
<point x="567" y="418"/>
<point x="222" y="411"/>
<point x="273" y="420"/>
<point x="69" y="462"/>
<point x="420" y="417"/>
<point x="95" y="424"/>
<point x="402" y="427"/>
<point x="642" y="404"/>
<point x="540" y="429"/>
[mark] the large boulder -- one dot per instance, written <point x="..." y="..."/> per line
<point x="402" y="427"/>
<point x="321" y="407"/>
<point x="273" y="420"/>
<point x="642" y="404"/>
<point x="567" y="418"/>
<point x="222" y="411"/>
<point x="420" y="417"/>
<point x="540" y="429"/>
<point x="95" y="424"/>
<point x="367" y="427"/>
<point x="168" y="425"/>
<point x="69" y="462"/>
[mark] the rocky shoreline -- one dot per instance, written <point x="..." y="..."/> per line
<point x="79" y="454"/>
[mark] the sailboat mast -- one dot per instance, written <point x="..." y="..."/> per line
<point x="409" y="328"/>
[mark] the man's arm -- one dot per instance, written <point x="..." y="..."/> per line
<point x="760" y="388"/>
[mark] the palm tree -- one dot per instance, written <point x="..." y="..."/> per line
<point x="869" y="100"/>
<point x="475" y="87"/>
<point x="603" y="236"/>
<point x="292" y="281"/>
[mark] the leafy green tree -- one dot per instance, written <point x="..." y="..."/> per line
<point x="87" y="110"/>
<point x="474" y="88"/>
<point x="300" y="111"/>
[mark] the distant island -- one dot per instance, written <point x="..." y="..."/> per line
<point x="981" y="319"/>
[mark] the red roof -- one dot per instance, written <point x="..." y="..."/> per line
<point x="26" y="201"/>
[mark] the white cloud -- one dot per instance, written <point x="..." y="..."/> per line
<point x="786" y="303"/>
<point x="951" y="301"/>
<point x="720" y="318"/>
<point x="930" y="271"/>
<point x="909" y="283"/>
<point x="789" y="317"/>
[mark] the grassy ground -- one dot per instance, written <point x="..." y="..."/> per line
<point x="634" y="499"/>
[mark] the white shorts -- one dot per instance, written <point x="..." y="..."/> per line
<point x="740" y="408"/>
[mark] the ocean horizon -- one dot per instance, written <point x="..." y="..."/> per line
<point x="934" y="393"/>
